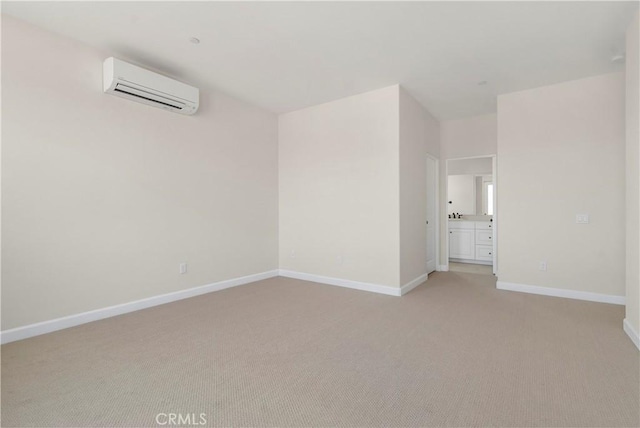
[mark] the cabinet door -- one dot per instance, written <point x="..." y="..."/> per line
<point x="462" y="244"/>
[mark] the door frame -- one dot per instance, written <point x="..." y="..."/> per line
<point x="445" y="218"/>
<point x="436" y="220"/>
<point x="494" y="171"/>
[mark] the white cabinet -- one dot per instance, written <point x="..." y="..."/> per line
<point x="461" y="243"/>
<point x="471" y="241"/>
<point x="484" y="225"/>
<point x="484" y="237"/>
<point x="484" y="244"/>
<point x="484" y="252"/>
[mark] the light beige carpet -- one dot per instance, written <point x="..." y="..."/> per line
<point x="453" y="352"/>
<point x="470" y="268"/>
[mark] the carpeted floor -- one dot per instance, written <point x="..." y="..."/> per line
<point x="453" y="352"/>
<point x="470" y="268"/>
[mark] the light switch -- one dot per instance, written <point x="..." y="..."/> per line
<point x="582" y="218"/>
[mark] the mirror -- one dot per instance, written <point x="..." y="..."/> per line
<point x="470" y="186"/>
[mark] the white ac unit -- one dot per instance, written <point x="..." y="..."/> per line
<point x="137" y="84"/>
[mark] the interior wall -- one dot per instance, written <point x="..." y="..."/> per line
<point x="104" y="197"/>
<point x="469" y="137"/>
<point x="462" y="194"/>
<point x="461" y="138"/>
<point x="476" y="166"/>
<point x="339" y="188"/>
<point x="633" y="176"/>
<point x="419" y="136"/>
<point x="574" y="132"/>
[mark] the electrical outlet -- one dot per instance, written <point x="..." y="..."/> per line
<point x="183" y="268"/>
<point x="340" y="260"/>
<point x="292" y="254"/>
<point x="582" y="218"/>
<point x="543" y="266"/>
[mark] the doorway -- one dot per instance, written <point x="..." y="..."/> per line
<point x="471" y="222"/>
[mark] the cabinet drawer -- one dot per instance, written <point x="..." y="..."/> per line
<point x="461" y="224"/>
<point x="484" y="252"/>
<point x="485" y="225"/>
<point x="484" y="237"/>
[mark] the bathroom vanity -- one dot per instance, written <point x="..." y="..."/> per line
<point x="471" y="241"/>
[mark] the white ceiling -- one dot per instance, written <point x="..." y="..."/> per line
<point x="288" y="55"/>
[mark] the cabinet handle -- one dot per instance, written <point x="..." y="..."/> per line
<point x="489" y="237"/>
<point x="489" y="253"/>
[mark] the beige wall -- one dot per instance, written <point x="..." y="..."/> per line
<point x="574" y="133"/>
<point x="633" y="178"/>
<point x="462" y="193"/>
<point x="353" y="187"/>
<point x="103" y="197"/>
<point x="472" y="136"/>
<point x="476" y="166"/>
<point x="419" y="136"/>
<point x="339" y="188"/>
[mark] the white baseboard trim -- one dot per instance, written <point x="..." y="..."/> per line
<point x="413" y="284"/>
<point x="633" y="335"/>
<point x="347" y="283"/>
<point x="44" y="327"/>
<point x="443" y="268"/>
<point x="560" y="292"/>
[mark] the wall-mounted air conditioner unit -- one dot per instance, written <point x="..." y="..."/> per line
<point x="137" y="84"/>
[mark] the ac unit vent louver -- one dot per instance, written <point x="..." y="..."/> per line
<point x="144" y="86"/>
